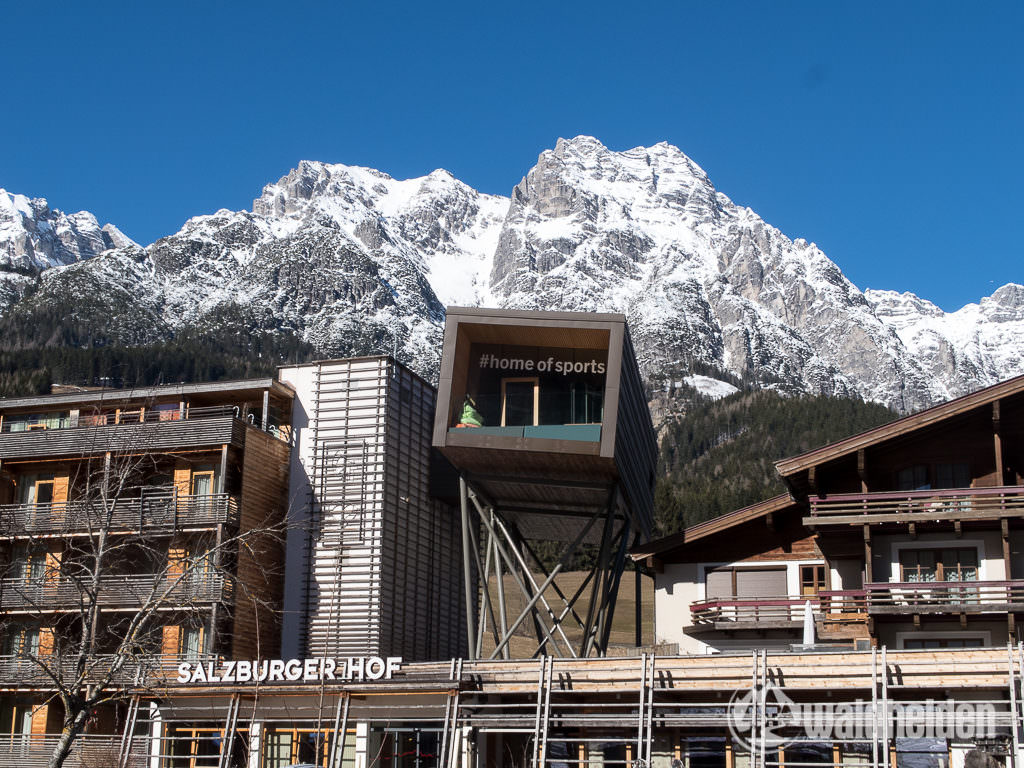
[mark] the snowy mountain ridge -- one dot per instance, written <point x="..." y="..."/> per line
<point x="353" y="261"/>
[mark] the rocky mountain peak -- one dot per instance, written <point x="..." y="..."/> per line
<point x="1008" y="298"/>
<point x="34" y="237"/>
<point x="352" y="261"/>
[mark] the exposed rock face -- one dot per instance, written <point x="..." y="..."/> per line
<point x="644" y="232"/>
<point x="34" y="238"/>
<point x="354" y="261"/>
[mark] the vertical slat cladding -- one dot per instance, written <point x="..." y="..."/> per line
<point x="636" y="451"/>
<point x="384" y="569"/>
<point x="421" y="570"/>
<point x="345" y="602"/>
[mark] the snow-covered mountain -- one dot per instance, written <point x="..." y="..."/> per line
<point x="353" y="261"/>
<point x="33" y="238"/>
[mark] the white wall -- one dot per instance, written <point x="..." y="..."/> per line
<point x="681" y="584"/>
<point x="301" y="379"/>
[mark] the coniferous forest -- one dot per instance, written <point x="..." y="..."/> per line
<point x="720" y="455"/>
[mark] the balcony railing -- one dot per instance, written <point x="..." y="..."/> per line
<point x="62" y="593"/>
<point x="902" y="506"/>
<point x="22" y="672"/>
<point x="782" y="608"/>
<point x="165" y="510"/>
<point x="124" y="418"/>
<point x="841" y="606"/>
<point x="140" y="430"/>
<point x="944" y="597"/>
<point x="88" y="751"/>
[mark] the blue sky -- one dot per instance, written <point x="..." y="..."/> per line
<point x="889" y="133"/>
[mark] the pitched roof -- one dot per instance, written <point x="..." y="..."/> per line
<point x="713" y="526"/>
<point x="901" y="427"/>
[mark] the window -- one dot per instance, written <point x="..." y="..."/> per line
<point x="586" y="404"/>
<point x="293" y="746"/>
<point x="19" y="639"/>
<point x="15" y="718"/>
<point x="520" y="402"/>
<point x="34" y="421"/>
<point x="200" y="746"/>
<point x="812" y="579"/>
<point x="913" y="478"/>
<point x="202" y="483"/>
<point x="923" y="477"/>
<point x="36" y="489"/>
<point x="952" y="476"/>
<point x="190" y="645"/>
<point x="168" y="412"/>
<point x="948" y="564"/>
<point x="408" y="747"/>
<point x="943" y="642"/>
<point x="746" y="582"/>
<point x="28" y="563"/>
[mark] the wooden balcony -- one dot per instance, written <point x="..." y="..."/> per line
<point x="944" y="597"/>
<point x="835" y="608"/>
<point x="145" y="431"/>
<point x="734" y="613"/>
<point x="916" y="506"/>
<point x="163" y="511"/>
<point x="115" y="592"/>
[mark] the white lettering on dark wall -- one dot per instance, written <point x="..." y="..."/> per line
<point x="551" y="365"/>
<point x="290" y="670"/>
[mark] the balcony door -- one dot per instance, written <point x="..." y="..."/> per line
<point x="946" y="564"/>
<point x="36" y="489"/>
<point x="202" y="483"/>
<point x="520" y="402"/>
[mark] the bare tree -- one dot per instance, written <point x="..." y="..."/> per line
<point x="90" y="584"/>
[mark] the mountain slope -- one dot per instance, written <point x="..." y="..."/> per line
<point x="349" y="260"/>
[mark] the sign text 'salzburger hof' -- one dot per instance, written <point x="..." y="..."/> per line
<point x="290" y="670"/>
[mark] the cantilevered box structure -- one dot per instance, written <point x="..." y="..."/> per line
<point x="543" y="415"/>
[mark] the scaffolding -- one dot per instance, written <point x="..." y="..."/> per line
<point x="881" y="708"/>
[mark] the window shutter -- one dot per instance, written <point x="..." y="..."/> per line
<point x="761" y="583"/>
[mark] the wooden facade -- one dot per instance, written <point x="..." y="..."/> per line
<point x="201" y="465"/>
<point x="917" y="527"/>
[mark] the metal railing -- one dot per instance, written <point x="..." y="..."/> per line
<point x="160" y="510"/>
<point x="47" y="593"/>
<point x="123" y="417"/>
<point x="88" y="751"/>
<point x="23" y="672"/>
<point x="955" y="504"/>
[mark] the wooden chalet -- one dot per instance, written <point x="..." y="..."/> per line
<point x="910" y="535"/>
